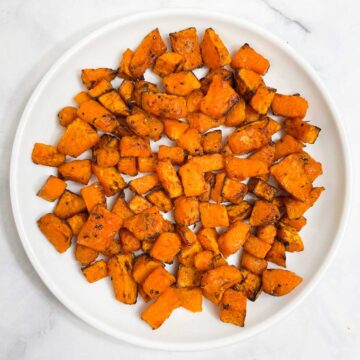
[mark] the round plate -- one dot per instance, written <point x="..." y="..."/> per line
<point x="95" y="303"/>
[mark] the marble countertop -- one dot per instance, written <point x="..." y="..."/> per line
<point x="33" y="324"/>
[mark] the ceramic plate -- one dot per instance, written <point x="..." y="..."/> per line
<point x="95" y="303"/>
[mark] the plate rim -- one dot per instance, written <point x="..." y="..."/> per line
<point x="185" y="346"/>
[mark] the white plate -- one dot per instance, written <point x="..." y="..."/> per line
<point x="95" y="303"/>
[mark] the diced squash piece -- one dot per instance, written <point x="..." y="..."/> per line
<point x="290" y="175"/>
<point x="157" y="282"/>
<point x="247" y="81"/>
<point x="233" y="190"/>
<point x="264" y="213"/>
<point x="174" y="128"/>
<point x="215" y="194"/>
<point x="203" y="260"/>
<point x="296" y="208"/>
<point x="100" y="229"/>
<point x="249" y="284"/>
<point x="100" y="88"/>
<point x="96" y="271"/>
<point x="141" y="87"/>
<point x="121" y="208"/>
<point x="233" y="307"/>
<point x="168" y="63"/>
<point x="106" y="151"/>
<point x="146" y="225"/>
<point x="77" y="170"/>
<point x="126" y="91"/>
<point x="225" y="74"/>
<point x="186" y="43"/>
<point x="290" y="238"/>
<point x="169" y="179"/>
<point x="144" y="184"/>
<point x="208" y="238"/>
<point x="266" y="233"/>
<point x="297" y="223"/>
<point x="287" y="145"/>
<point x="69" y="204"/>
<point x="202" y="122"/>
<point x="236" y="115"/>
<point x="213" y="50"/>
<point x="312" y="168"/>
<point x="193" y="100"/>
<point x="256" y="247"/>
<point x="134" y="146"/>
<point x="157" y="312"/>
<point x="219" y="98"/>
<point x="181" y="83"/>
<point x="90" y="77"/>
<point x="212" y="142"/>
<point x="160" y="200"/>
<point x="188" y="277"/>
<point x="85" y="255"/>
<point x="143" y="266"/>
<point x="166" y="247"/>
<point x="56" y="231"/>
<point x="110" y="179"/>
<point x="262" y="99"/>
<point x="186" y="235"/>
<point x="214" y="282"/>
<point x="113" y="249"/>
<point x="191" y="299"/>
<point x="67" y="115"/>
<point x="97" y="115"/>
<point x="186" y="210"/>
<point x="246" y="57"/>
<point x="52" y="189"/>
<point x="76" y="222"/>
<point x="47" y="155"/>
<point x="127" y="166"/>
<point x="82" y="97"/>
<point x="124" y="66"/>
<point x="192" y="179"/>
<point x="240" y="169"/>
<point x="234" y="238"/>
<point x="190" y="141"/>
<point x="239" y="211"/>
<point x="129" y="242"/>
<point x="265" y="154"/>
<point x="262" y="189"/>
<point x="188" y="252"/>
<point x="278" y="282"/>
<point x="213" y="215"/>
<point x="249" y="137"/>
<point x="169" y="106"/>
<point x="147" y="164"/>
<point x="175" y="154"/>
<point x="114" y="103"/>
<point x="289" y="106"/>
<point x="146" y="53"/>
<point x="252" y="263"/>
<point x="277" y="254"/>
<point x="301" y="130"/>
<point x="125" y="287"/>
<point x="93" y="195"/>
<point x="138" y="204"/>
<point x="207" y="163"/>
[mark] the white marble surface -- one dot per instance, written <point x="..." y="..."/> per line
<point x="33" y="324"/>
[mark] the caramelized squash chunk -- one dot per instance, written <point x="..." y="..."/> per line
<point x="213" y="50"/>
<point x="278" y="282"/>
<point x="56" y="231"/>
<point x="100" y="229"/>
<point x="52" y="189"/>
<point x="181" y="83"/>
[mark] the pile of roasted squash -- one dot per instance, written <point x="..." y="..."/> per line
<point x="242" y="192"/>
